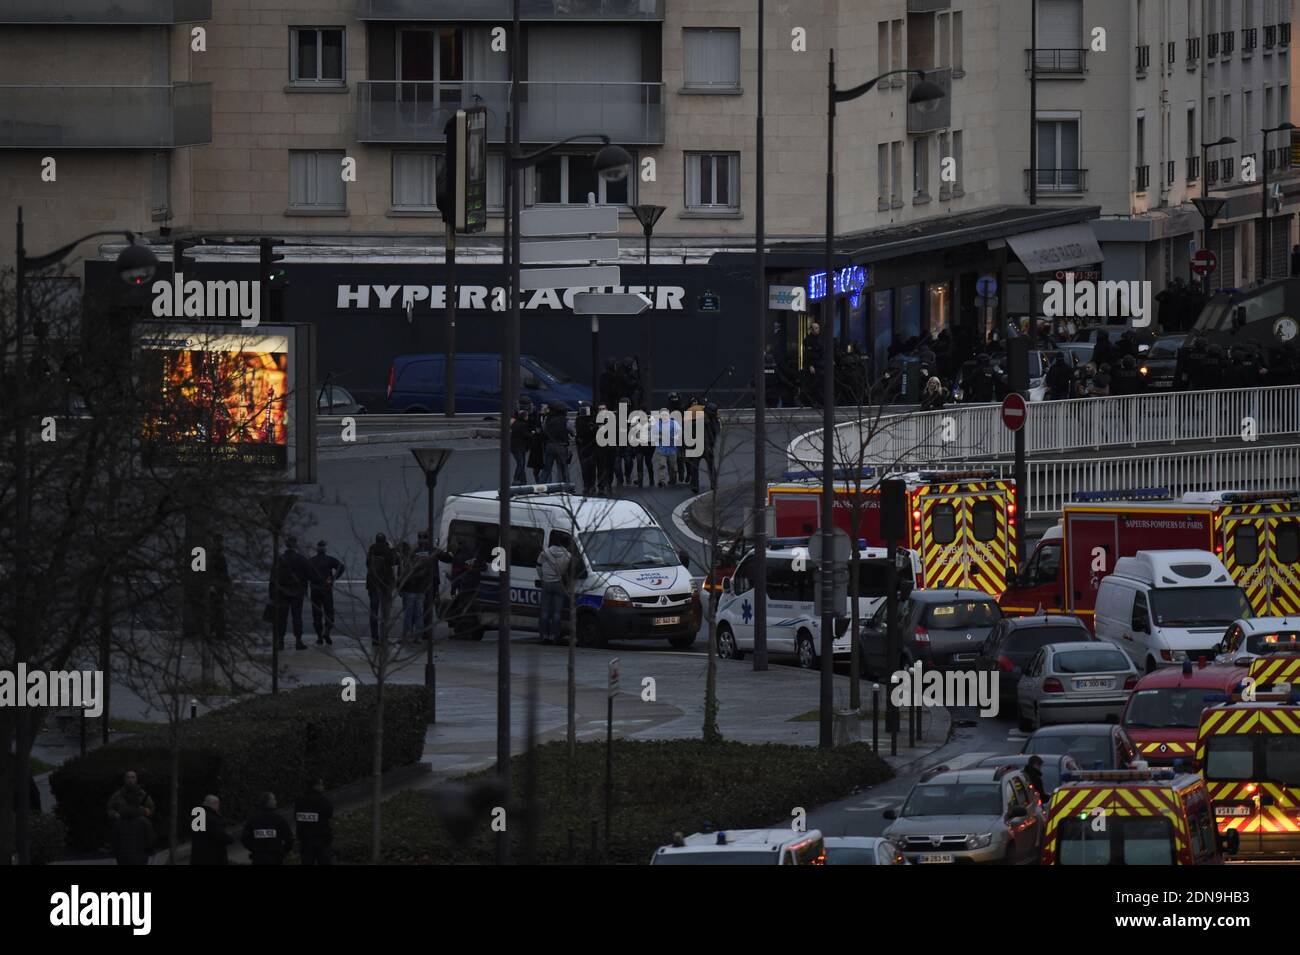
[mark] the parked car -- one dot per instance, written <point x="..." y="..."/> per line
<point x="744" y="847"/>
<point x="1054" y="766"/>
<point x="1070" y="682"/>
<point x="1094" y="745"/>
<point x="1081" y="346"/>
<point x="1014" y="640"/>
<point x="1159" y="364"/>
<point x="337" y="400"/>
<point x="417" y="383"/>
<point x="969" y="816"/>
<point x="939" y="628"/>
<point x="862" y="850"/>
<point x="1253" y="637"/>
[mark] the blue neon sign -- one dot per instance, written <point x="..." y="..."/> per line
<point x="850" y="281"/>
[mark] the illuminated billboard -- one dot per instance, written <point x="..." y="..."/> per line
<point x="222" y="393"/>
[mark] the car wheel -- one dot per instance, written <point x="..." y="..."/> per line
<point x="1025" y="723"/>
<point x="727" y="644"/>
<point x="681" y="643"/>
<point x="589" y="634"/>
<point x="807" y="652"/>
<point x="1151" y="664"/>
<point x="1038" y="718"/>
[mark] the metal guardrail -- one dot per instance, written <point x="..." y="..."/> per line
<point x="114" y="12"/>
<point x="105" y="117"/>
<point x="975" y="431"/>
<point x="499" y="10"/>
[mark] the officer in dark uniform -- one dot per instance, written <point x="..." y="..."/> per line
<point x="982" y="385"/>
<point x="1212" y="369"/>
<point x="267" y="836"/>
<point x="1127" y="380"/>
<point x="327" y="570"/>
<point x="585" y="431"/>
<point x="312" y="813"/>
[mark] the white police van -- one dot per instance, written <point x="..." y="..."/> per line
<point x="632" y="583"/>
<point x="793" y="626"/>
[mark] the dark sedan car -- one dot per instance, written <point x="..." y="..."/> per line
<point x="940" y="628"/>
<point x="1093" y="745"/>
<point x="1158" y="365"/>
<point x="1014" y="640"/>
<point x="1053" y="767"/>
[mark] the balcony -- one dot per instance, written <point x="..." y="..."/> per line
<point x="1058" y="180"/>
<point x="939" y="115"/>
<point x="106" y="117"/>
<point x="1057" y="61"/>
<point x="1193" y="51"/>
<point x="1143" y="59"/>
<point x="1170" y="174"/>
<point x="391" y="111"/>
<point x="1270" y="37"/>
<point x="927" y="6"/>
<point x="1227" y="42"/>
<point x="499" y="11"/>
<point x="106" y="12"/>
<point x="1142" y="175"/>
<point x="1212" y="45"/>
<point x="1283" y="34"/>
<point x="1193" y="168"/>
<point x="1211" y="172"/>
<point x="1227" y="169"/>
<point x="1249" y="39"/>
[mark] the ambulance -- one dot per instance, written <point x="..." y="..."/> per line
<point x="1255" y="533"/>
<point x="961" y="525"/>
<point x="1163" y="713"/>
<point x="1248" y="751"/>
<point x="1132" y="817"/>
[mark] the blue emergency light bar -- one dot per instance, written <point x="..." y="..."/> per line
<point x="837" y="474"/>
<point x="1130" y="494"/>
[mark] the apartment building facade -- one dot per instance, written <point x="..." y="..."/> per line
<point x="294" y="91"/>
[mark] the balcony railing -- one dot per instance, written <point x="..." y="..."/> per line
<point x="1143" y="58"/>
<point x="1193" y="168"/>
<point x="1227" y="169"/>
<point x="1212" y="45"/>
<point x="1249" y="39"/>
<point x="1053" y="60"/>
<point x="106" y="12"/>
<point x="1270" y="37"/>
<point x="927" y="6"/>
<point x="397" y="111"/>
<point x="1283" y="34"/>
<point x="1193" y="50"/>
<point x="500" y="10"/>
<point x="936" y="114"/>
<point x="1143" y="174"/>
<point x="1058" y="180"/>
<point x="1211" y="172"/>
<point x="1170" y="173"/>
<point x="1171" y="52"/>
<point x="1227" y="41"/>
<point x="105" y="117"/>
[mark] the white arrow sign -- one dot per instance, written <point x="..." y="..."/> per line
<point x="596" y="303"/>
<point x="591" y="276"/>
<point x="578" y="220"/>
<point x="548" y="251"/>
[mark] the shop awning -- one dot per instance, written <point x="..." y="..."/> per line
<point x="1063" y="247"/>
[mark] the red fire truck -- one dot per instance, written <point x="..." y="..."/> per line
<point x="1255" y="533"/>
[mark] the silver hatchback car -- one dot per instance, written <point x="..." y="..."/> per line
<point x="1074" y="683"/>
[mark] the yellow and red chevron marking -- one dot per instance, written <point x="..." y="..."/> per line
<point x="1171" y="749"/>
<point x="1116" y="801"/>
<point x="966" y="562"/>
<point x="1262" y="819"/>
<point x="1267" y="671"/>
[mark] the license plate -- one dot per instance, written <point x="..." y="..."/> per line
<point x="1093" y="684"/>
<point x="963" y="657"/>
<point x="667" y="621"/>
<point x="926" y="858"/>
<point x="1233" y="810"/>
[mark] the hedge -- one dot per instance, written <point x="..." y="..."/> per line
<point x="276" y="743"/>
<point x="660" y="787"/>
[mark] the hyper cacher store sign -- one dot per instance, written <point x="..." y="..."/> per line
<point x="666" y="298"/>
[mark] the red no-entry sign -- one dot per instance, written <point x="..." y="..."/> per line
<point x="1204" y="262"/>
<point x="1013" y="411"/>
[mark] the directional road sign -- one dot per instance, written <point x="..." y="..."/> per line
<point x="596" y="303"/>
<point x="549" y="251"/>
<point x="576" y="220"/>
<point x="590" y="276"/>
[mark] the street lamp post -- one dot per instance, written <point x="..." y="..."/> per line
<point x="1266" y="239"/>
<point x="759" y="530"/>
<point x="431" y="460"/>
<point x="1208" y="207"/>
<point x="276" y="507"/>
<point x="926" y="96"/>
<point x="647" y="215"/>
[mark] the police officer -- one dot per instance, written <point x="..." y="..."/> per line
<point x="328" y="569"/>
<point x="267" y="836"/>
<point x="585" y="433"/>
<point x="312" y="813"/>
<point x="1127" y="381"/>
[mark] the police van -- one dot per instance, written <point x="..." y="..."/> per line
<point x="632" y="583"/>
<point x="793" y="624"/>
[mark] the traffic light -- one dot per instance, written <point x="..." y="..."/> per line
<point x="461" y="188"/>
<point x="274" y="281"/>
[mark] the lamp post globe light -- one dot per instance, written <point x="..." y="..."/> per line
<point x="926" y="96"/>
<point x="1208" y="206"/>
<point x="647" y="215"/>
<point x="431" y="461"/>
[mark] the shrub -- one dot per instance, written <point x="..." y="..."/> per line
<point x="266" y="743"/>
<point x="49" y="837"/>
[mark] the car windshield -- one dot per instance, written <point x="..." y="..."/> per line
<point x="1125" y="840"/>
<point x="1281" y="642"/>
<point x="955" y="799"/>
<point x="1282" y="760"/>
<point x="551" y="371"/>
<point x="850" y="856"/>
<point x="1089" y="661"/>
<point x="1030" y="639"/>
<point x="1198" y="606"/>
<point x="740" y="857"/>
<point x="1230" y="757"/>
<point x="1166" y="348"/>
<point x="629" y="548"/>
<point x="1087" y="750"/>
<point x="1172" y="707"/>
<point x="960" y="613"/>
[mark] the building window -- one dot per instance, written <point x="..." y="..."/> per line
<point x="896" y="174"/>
<point x="711" y="59"/>
<point x="943" y="58"/>
<point x="316" y="181"/>
<point x="1058" y="155"/>
<point x="921" y="169"/>
<point x="713" y="182"/>
<point x="957" y="68"/>
<point x="415" y="178"/>
<point x="896" y="52"/>
<point x="316" y="56"/>
<point x="957" y="187"/>
<point x="1225" y="117"/>
<point x="569" y="180"/>
<point x="1060" y="36"/>
<point x="882" y="51"/>
<point x="883" y="185"/>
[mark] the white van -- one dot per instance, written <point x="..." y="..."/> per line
<point x="1162" y="607"/>
<point x="793" y="626"/>
<point x="632" y="582"/>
